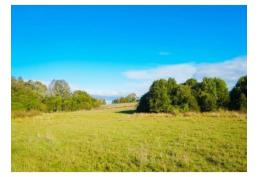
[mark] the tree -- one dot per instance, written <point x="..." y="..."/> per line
<point x="83" y="100"/>
<point x="158" y="96"/>
<point x="222" y="93"/>
<point x="184" y="99"/>
<point x="32" y="95"/>
<point x="59" y="88"/>
<point x="132" y="97"/>
<point x="207" y="102"/>
<point x="53" y="103"/>
<point x="24" y="96"/>
<point x="238" y="95"/>
<point x="143" y="105"/>
<point x="38" y="87"/>
<point x="190" y="82"/>
<point x="217" y="89"/>
<point x="128" y="99"/>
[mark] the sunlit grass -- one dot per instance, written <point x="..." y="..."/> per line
<point x="117" y="139"/>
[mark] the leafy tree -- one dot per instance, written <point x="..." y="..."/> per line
<point x="128" y="99"/>
<point x="59" y="88"/>
<point x="184" y="99"/>
<point x="132" y="97"/>
<point x="158" y="96"/>
<point x="191" y="82"/>
<point x="24" y="97"/>
<point x="143" y="105"/>
<point x="32" y="95"/>
<point x="222" y="93"/>
<point x="238" y="95"/>
<point x="218" y="91"/>
<point x="83" y="100"/>
<point x="207" y="102"/>
<point x="53" y="103"/>
<point x="38" y="87"/>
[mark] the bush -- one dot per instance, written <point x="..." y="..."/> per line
<point x="143" y="105"/>
<point x="183" y="98"/>
<point x="207" y="102"/>
<point x="209" y="95"/>
<point x="128" y="99"/>
<point x="238" y="95"/>
<point x="158" y="97"/>
<point x="33" y="96"/>
<point x="213" y="91"/>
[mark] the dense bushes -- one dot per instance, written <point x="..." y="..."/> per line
<point x="128" y="99"/>
<point x="27" y="95"/>
<point x="209" y="95"/>
<point x="35" y="96"/>
<point x="238" y="95"/>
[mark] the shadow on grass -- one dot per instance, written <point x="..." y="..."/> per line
<point x="130" y="111"/>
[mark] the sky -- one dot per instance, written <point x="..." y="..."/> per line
<point x="116" y="50"/>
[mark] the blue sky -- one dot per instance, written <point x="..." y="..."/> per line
<point x="115" y="50"/>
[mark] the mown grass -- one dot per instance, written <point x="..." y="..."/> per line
<point x="117" y="139"/>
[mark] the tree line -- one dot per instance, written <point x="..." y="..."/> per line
<point x="210" y="94"/>
<point x="34" y="95"/>
<point x="128" y="99"/>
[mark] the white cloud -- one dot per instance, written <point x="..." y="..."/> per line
<point x="179" y="71"/>
<point x="229" y="70"/>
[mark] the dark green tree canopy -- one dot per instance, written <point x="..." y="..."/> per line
<point x="210" y="94"/>
<point x="238" y="95"/>
<point x="144" y="105"/>
<point x="158" y="96"/>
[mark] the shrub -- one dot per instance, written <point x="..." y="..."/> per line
<point x="143" y="105"/>
<point x="238" y="95"/>
<point x="209" y="95"/>
<point x="184" y="99"/>
<point x="128" y="99"/>
<point x="207" y="102"/>
<point x="158" y="96"/>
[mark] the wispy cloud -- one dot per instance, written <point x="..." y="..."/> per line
<point x="179" y="71"/>
<point x="229" y="70"/>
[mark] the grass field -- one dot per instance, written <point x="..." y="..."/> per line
<point x="114" y="138"/>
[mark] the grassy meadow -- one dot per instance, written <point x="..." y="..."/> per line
<point x="114" y="138"/>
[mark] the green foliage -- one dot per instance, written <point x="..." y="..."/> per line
<point x="184" y="99"/>
<point x="168" y="96"/>
<point x="207" y="102"/>
<point x="82" y="100"/>
<point x="128" y="99"/>
<point x="209" y="95"/>
<point x="158" y="96"/>
<point x="25" y="96"/>
<point x="33" y="95"/>
<point x="144" y="105"/>
<point x="238" y="95"/>
<point x="53" y="103"/>
<point x="191" y="82"/>
<point x="213" y="91"/>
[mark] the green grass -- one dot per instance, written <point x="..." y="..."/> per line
<point x="117" y="139"/>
